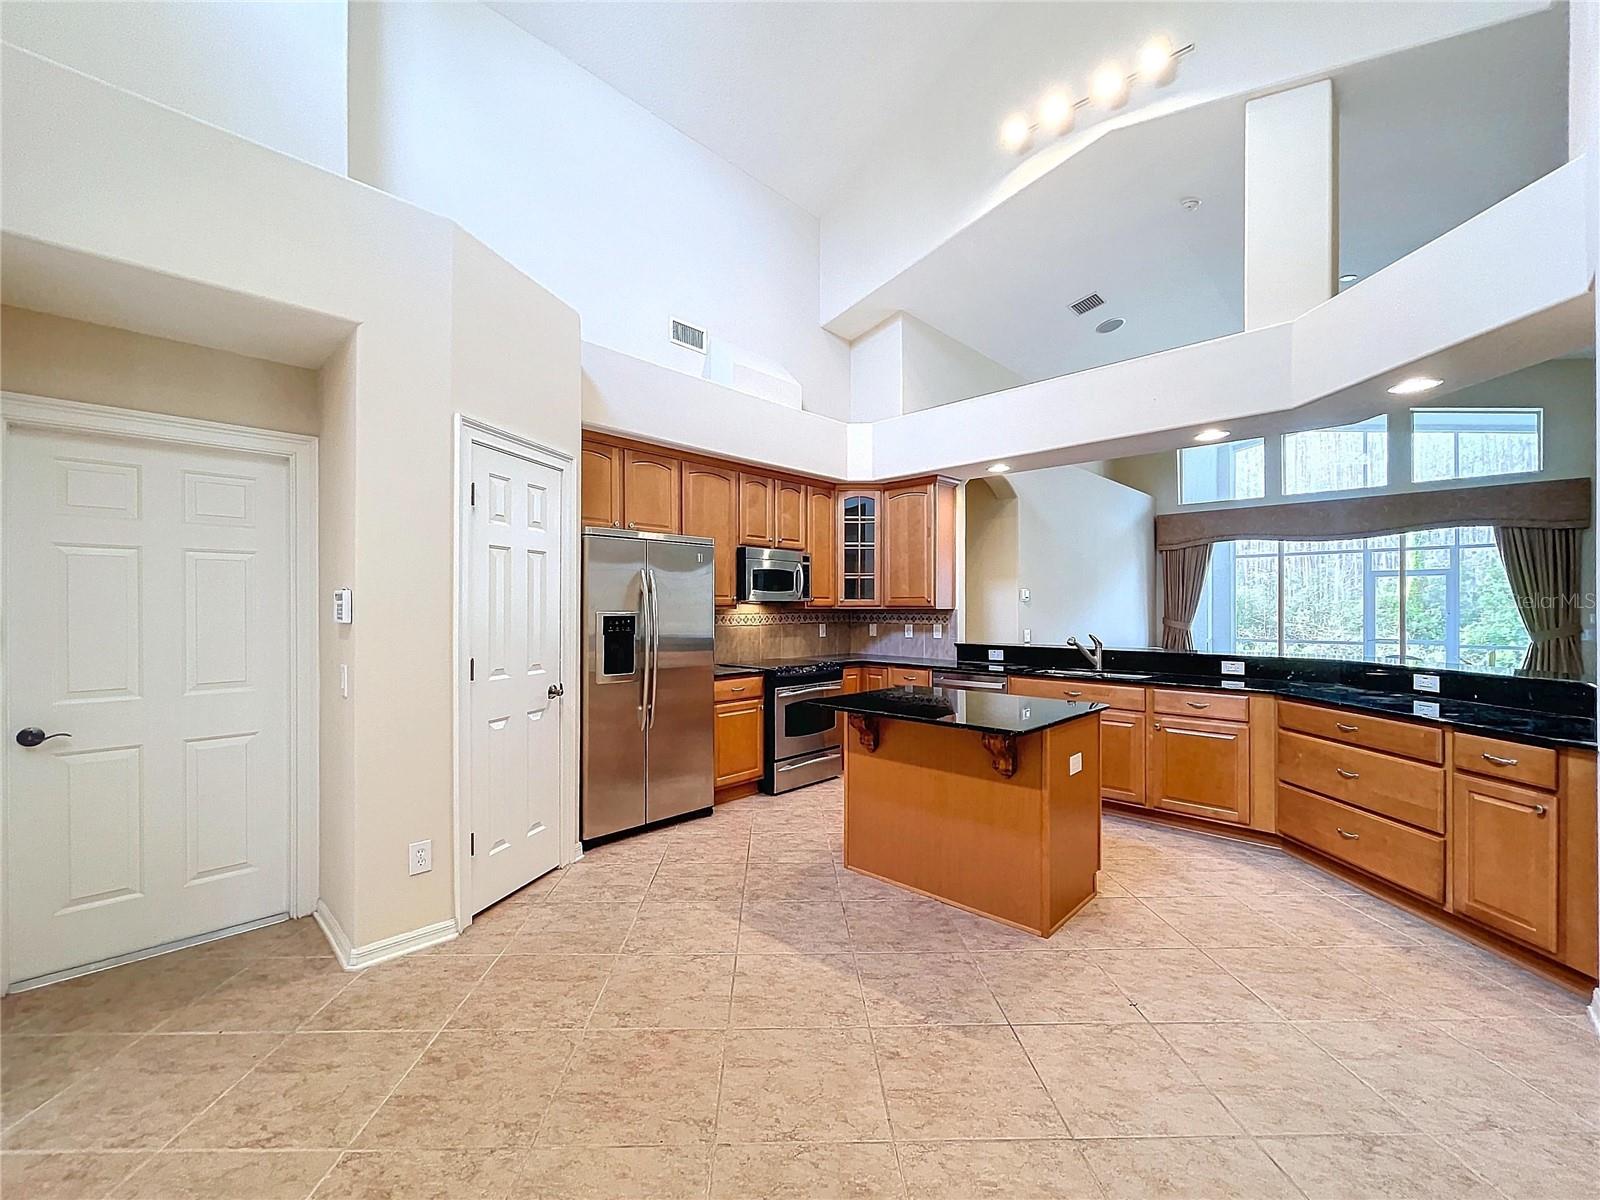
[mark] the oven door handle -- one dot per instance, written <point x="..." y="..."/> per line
<point x="794" y="764"/>
<point x="791" y="693"/>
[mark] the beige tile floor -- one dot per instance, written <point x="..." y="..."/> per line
<point x="720" y="1009"/>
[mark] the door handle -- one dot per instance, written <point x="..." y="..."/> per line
<point x="34" y="736"/>
<point x="555" y="691"/>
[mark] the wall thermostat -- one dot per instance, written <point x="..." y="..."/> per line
<point x="341" y="607"/>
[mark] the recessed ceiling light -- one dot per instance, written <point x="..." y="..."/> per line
<point x="1190" y="203"/>
<point x="999" y="468"/>
<point x="1414" y="385"/>
<point x="1348" y="278"/>
<point x="1109" y="86"/>
<point x="1109" y="325"/>
<point x="1211" y="435"/>
<point x="1016" y="131"/>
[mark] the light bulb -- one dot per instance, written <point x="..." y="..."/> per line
<point x="1055" y="112"/>
<point x="1109" y="86"/>
<point x="1015" y="131"/>
<point x="1156" y="61"/>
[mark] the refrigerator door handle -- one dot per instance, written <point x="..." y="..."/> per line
<point x="655" y="645"/>
<point x="644" y="633"/>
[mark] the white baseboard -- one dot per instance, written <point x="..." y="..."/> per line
<point x="1594" y="1011"/>
<point x="354" y="958"/>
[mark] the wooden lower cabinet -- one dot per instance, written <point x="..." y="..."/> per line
<point x="874" y="679"/>
<point x="739" y="741"/>
<point x="1122" y="754"/>
<point x="1505" y="862"/>
<point x="1395" y="853"/>
<point x="852" y="681"/>
<point x="1200" y="768"/>
<point x="909" y="677"/>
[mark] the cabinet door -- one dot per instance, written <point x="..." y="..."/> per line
<point x="908" y="547"/>
<point x="1505" y="844"/>
<point x="874" y="679"/>
<point x="852" y="680"/>
<point x="789" y="515"/>
<point x="711" y="509"/>
<point x="755" y="510"/>
<point x="601" y="478"/>
<point x="822" y="544"/>
<point x="860" y="551"/>
<point x="738" y="739"/>
<point x="1122" y="746"/>
<point x="1200" y="767"/>
<point x="650" y="492"/>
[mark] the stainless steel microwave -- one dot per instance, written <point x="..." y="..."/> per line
<point x="768" y="576"/>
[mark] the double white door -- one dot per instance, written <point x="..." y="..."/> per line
<point x="148" y="597"/>
<point x="515" y="591"/>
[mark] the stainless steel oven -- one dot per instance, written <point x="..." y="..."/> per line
<point x="804" y="742"/>
<point x="768" y="576"/>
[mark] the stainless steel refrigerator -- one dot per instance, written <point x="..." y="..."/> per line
<point x="648" y="604"/>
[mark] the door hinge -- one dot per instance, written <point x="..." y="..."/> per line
<point x="472" y="669"/>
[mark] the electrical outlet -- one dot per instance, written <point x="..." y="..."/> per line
<point x="1425" y="683"/>
<point x="1075" y="764"/>
<point x="908" y="632"/>
<point x="420" y="859"/>
<point x="1027" y="636"/>
<point x="872" y="629"/>
<point x="822" y="629"/>
<point x="938" y="632"/>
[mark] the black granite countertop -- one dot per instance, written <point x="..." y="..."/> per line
<point x="984" y="712"/>
<point x="846" y="659"/>
<point x="729" y="670"/>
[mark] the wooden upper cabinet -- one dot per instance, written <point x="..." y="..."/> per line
<point x="789" y="515"/>
<point x="600" y="473"/>
<point x="1506" y="848"/>
<point x="1200" y="767"/>
<point x="919" y="545"/>
<point x="711" y="509"/>
<point x="822" y="543"/>
<point x="756" y="505"/>
<point x="860" y="547"/>
<point x="650" y="492"/>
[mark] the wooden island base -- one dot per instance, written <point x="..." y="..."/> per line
<point x="931" y="808"/>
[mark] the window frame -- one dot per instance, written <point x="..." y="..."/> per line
<point x="1383" y="431"/>
<point x="1237" y="443"/>
<point x="1455" y="444"/>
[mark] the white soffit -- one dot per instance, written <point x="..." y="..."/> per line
<point x="794" y="94"/>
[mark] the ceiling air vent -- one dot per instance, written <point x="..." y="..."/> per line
<point x="688" y="335"/>
<point x="1088" y="304"/>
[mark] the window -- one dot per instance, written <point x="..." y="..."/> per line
<point x="1435" y="597"/>
<point x="1342" y="459"/>
<point x="1466" y="443"/>
<point x="1225" y="471"/>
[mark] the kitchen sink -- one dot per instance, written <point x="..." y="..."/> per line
<point x="1090" y="673"/>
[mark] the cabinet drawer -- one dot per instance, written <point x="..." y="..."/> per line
<point x="1214" y="706"/>
<point x="1380" y="783"/>
<point x="1129" y="699"/>
<point x="1405" y="857"/>
<point x="1534" y="766"/>
<point x="736" y="687"/>
<point x="910" y="677"/>
<point x="1420" y="742"/>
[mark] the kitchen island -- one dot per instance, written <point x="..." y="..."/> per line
<point x="984" y="800"/>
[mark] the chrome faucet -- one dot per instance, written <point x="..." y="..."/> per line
<point x="1097" y="656"/>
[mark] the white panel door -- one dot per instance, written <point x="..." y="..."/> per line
<point x="514" y="590"/>
<point x="148" y="599"/>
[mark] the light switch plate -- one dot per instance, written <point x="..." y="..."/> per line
<point x="872" y="629"/>
<point x="421" y="858"/>
<point x="1232" y="666"/>
<point x="1027" y="636"/>
<point x="1425" y="683"/>
<point x="938" y="632"/>
<point x="1425" y="708"/>
<point x="997" y="656"/>
<point x="1074" y="764"/>
<point x="1024" y="595"/>
<point x="822" y="629"/>
<point x="908" y="632"/>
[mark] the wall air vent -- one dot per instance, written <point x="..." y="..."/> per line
<point x="689" y="336"/>
<point x="1088" y="304"/>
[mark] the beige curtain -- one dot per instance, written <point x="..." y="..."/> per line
<point x="1183" y="575"/>
<point x="1543" y="566"/>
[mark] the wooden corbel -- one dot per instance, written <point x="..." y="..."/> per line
<point x="1002" y="748"/>
<point x="866" y="731"/>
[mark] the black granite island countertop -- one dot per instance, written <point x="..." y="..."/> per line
<point x="982" y="712"/>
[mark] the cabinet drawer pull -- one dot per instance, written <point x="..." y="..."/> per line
<point x="1072" y="693"/>
<point x="740" y="688"/>
<point x="1344" y="727"/>
<point x="1537" y="810"/>
<point x="1343" y="774"/>
<point x="1197" y="704"/>
<point x="1498" y="761"/>
<point x="1347" y="835"/>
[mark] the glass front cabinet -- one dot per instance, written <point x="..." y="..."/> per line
<point x="861" y="544"/>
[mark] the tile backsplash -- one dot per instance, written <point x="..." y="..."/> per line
<point x="751" y="633"/>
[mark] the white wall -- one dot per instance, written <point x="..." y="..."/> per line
<point x="629" y="221"/>
<point x="1083" y="546"/>
<point x="932" y="177"/>
<point x="271" y="72"/>
<point x="906" y="365"/>
<point x="1291" y="250"/>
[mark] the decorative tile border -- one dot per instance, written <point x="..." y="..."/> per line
<point x="831" y="616"/>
